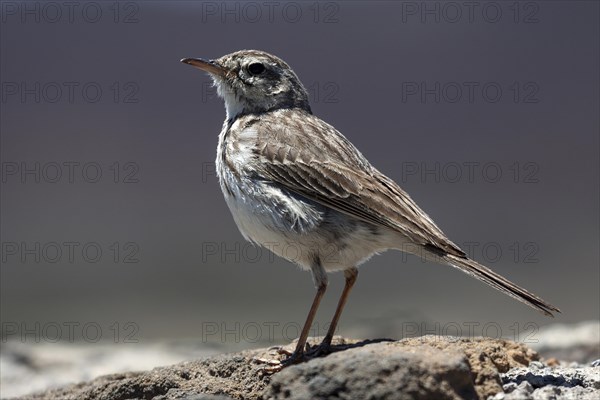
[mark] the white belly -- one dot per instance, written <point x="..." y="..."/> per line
<point x="297" y="231"/>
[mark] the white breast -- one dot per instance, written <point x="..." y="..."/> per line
<point x="233" y="106"/>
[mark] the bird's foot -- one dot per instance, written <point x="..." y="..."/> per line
<point x="281" y="350"/>
<point x="273" y="366"/>
<point x="321" y="350"/>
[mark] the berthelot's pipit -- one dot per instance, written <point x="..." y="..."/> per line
<point x="291" y="179"/>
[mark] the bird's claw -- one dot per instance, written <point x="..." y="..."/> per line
<point x="281" y="350"/>
<point x="321" y="350"/>
<point x="260" y="360"/>
<point x="274" y="366"/>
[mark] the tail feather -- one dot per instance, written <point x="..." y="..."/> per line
<point x="500" y="283"/>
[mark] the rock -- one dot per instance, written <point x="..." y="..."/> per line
<point x="568" y="342"/>
<point x="378" y="371"/>
<point x="487" y="357"/>
<point x="587" y="377"/>
<point x="231" y="376"/>
<point x="429" y="367"/>
<point x="540" y="382"/>
<point x="28" y="367"/>
<point x="189" y="395"/>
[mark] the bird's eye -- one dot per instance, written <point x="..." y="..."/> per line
<point x="256" y="68"/>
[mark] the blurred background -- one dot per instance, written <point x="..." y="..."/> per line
<point x="117" y="246"/>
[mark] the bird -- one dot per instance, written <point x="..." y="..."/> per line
<point x="291" y="179"/>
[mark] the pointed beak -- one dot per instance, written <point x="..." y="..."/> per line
<point x="210" y="66"/>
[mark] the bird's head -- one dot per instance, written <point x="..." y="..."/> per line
<point x="252" y="81"/>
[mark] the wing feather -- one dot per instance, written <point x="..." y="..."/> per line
<point x="316" y="161"/>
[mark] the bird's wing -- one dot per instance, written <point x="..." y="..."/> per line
<point x="311" y="158"/>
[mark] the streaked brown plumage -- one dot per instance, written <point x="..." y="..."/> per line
<point x="289" y="177"/>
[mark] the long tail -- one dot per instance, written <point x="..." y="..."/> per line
<point x="500" y="283"/>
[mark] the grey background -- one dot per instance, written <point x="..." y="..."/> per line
<point x="358" y="59"/>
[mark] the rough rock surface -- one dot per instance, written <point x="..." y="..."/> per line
<point x="569" y="342"/>
<point x="379" y="371"/>
<point x="429" y="367"/>
<point x="234" y="376"/>
<point x="487" y="357"/>
<point x="540" y="382"/>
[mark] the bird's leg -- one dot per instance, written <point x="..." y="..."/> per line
<point x="320" y="278"/>
<point x="325" y="346"/>
<point x="299" y="352"/>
